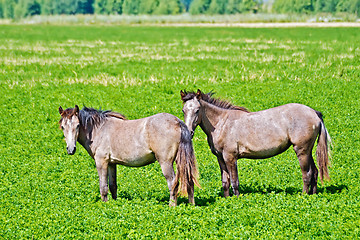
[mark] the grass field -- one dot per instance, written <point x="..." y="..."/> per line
<point x="139" y="71"/>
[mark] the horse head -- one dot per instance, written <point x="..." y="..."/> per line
<point x="192" y="109"/>
<point x="70" y="124"/>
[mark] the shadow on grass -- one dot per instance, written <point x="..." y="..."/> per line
<point x="333" y="189"/>
<point x="206" y="201"/>
<point x="164" y="199"/>
<point x="264" y="190"/>
<point x="199" y="201"/>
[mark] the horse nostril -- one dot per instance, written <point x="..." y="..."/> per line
<point x="71" y="151"/>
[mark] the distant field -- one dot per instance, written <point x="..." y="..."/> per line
<point x="139" y="71"/>
<point x="233" y="19"/>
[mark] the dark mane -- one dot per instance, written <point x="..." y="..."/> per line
<point x="207" y="97"/>
<point x="94" y="117"/>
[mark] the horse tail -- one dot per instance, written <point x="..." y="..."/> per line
<point x="186" y="167"/>
<point x="323" y="150"/>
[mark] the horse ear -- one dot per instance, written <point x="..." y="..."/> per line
<point x="61" y="110"/>
<point x="198" y="94"/>
<point x="182" y="95"/>
<point x="76" y="109"/>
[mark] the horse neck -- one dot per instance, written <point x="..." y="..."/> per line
<point x="212" y="116"/>
<point x="85" y="138"/>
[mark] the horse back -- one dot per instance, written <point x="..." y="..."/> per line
<point x="268" y="132"/>
<point x="165" y="132"/>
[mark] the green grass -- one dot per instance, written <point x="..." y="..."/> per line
<point x="139" y="71"/>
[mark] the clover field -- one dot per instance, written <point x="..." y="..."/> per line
<point x="139" y="71"/>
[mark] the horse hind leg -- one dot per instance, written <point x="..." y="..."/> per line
<point x="169" y="174"/>
<point x="308" y="169"/>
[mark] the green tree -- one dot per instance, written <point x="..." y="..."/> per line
<point x="217" y="7"/>
<point x="293" y="6"/>
<point x="131" y="7"/>
<point x="343" y="6"/>
<point x="70" y="6"/>
<point x="47" y="7"/>
<point x="19" y="10"/>
<point x="355" y="7"/>
<point x="1" y="10"/>
<point x="85" y="7"/>
<point x="148" y="6"/>
<point x="303" y="6"/>
<point x="8" y="8"/>
<point x="64" y="6"/>
<point x="103" y="6"/>
<point x="117" y="6"/>
<point x="232" y="6"/>
<point x="25" y="8"/>
<point x="330" y="6"/>
<point x="100" y="6"/>
<point x="350" y="6"/>
<point x="319" y="6"/>
<point x="186" y="4"/>
<point x="199" y="6"/>
<point x="247" y="5"/>
<point x="168" y="7"/>
<point x="325" y="6"/>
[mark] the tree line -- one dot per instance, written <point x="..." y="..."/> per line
<point x="11" y="9"/>
<point x="317" y="6"/>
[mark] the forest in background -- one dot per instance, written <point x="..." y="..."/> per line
<point x="16" y="9"/>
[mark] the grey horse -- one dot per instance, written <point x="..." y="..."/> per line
<point x="233" y="132"/>
<point x="111" y="139"/>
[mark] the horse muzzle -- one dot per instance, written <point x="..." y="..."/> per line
<point x="71" y="151"/>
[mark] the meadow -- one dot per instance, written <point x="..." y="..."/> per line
<point x="139" y="71"/>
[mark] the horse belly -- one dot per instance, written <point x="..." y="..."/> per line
<point x="263" y="147"/>
<point x="134" y="160"/>
<point x="266" y="152"/>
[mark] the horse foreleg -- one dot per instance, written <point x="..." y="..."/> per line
<point x="102" y="168"/>
<point x="169" y="174"/>
<point x="231" y="165"/>
<point x="112" y="180"/>
<point x="225" y="178"/>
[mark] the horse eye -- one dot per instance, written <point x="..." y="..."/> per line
<point x="197" y="111"/>
<point x="62" y="127"/>
<point x="77" y="127"/>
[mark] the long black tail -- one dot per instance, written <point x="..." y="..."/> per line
<point x="187" y="172"/>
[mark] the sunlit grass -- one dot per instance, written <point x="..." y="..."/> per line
<point x="139" y="71"/>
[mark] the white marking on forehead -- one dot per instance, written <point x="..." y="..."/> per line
<point x="68" y="122"/>
<point x="191" y="104"/>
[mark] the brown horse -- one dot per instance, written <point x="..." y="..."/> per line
<point x="233" y="133"/>
<point x="111" y="139"/>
